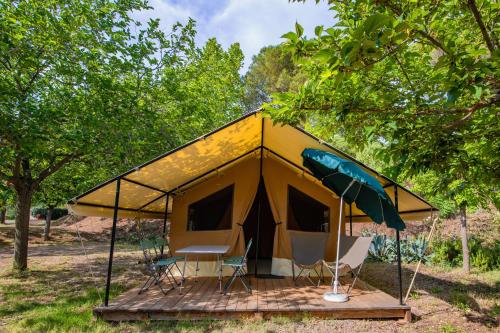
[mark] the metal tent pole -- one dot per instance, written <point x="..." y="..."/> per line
<point x="112" y="246"/>
<point x="165" y="220"/>
<point x="350" y="219"/>
<point x="259" y="198"/>
<point x="398" y="248"/>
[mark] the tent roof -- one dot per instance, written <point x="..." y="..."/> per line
<point x="144" y="189"/>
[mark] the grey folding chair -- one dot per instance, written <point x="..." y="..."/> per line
<point x="238" y="264"/>
<point x="157" y="269"/>
<point x="308" y="252"/>
<point x="352" y="254"/>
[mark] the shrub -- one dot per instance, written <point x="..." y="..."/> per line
<point x="484" y="257"/>
<point x="41" y="213"/>
<point x="447" y="252"/>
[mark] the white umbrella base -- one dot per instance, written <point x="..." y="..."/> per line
<point x="337" y="298"/>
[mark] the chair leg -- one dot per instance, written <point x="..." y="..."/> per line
<point x="247" y="288"/>
<point x="355" y="278"/>
<point x="231" y="280"/>
<point x="148" y="283"/>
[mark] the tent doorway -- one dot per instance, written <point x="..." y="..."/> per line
<point x="260" y="226"/>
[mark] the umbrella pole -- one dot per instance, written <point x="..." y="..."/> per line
<point x="335" y="296"/>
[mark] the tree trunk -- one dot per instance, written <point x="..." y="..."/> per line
<point x="3" y="215"/>
<point x="463" y="235"/>
<point x="48" y="220"/>
<point x="24" y="195"/>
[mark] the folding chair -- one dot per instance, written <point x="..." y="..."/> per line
<point x="162" y="251"/>
<point x="352" y="254"/>
<point x="308" y="252"/>
<point x="238" y="264"/>
<point x="157" y="269"/>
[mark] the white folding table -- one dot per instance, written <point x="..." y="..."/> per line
<point x="217" y="250"/>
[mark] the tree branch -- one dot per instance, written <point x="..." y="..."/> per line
<point x="433" y="41"/>
<point x="53" y="168"/>
<point x="482" y="27"/>
<point x="398" y="11"/>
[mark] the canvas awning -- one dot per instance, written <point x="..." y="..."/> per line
<point x="144" y="189"/>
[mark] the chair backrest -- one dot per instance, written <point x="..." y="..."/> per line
<point x="354" y="250"/>
<point x="148" y="248"/>
<point x="249" y="245"/>
<point x="308" y="247"/>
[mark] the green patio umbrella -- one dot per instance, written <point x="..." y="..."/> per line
<point x="353" y="185"/>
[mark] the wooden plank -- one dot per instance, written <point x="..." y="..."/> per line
<point x="172" y="298"/>
<point x="244" y="298"/>
<point x="276" y="302"/>
<point x="262" y="296"/>
<point x="212" y="293"/>
<point x="252" y="299"/>
<point x="281" y="287"/>
<point x="146" y="301"/>
<point x="235" y="295"/>
<point x="193" y="296"/>
<point x="196" y="295"/>
<point x="291" y="290"/>
<point x="220" y="300"/>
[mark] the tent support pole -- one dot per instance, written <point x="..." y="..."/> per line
<point x="165" y="220"/>
<point x="398" y="248"/>
<point x="350" y="219"/>
<point x="429" y="238"/>
<point x="112" y="246"/>
<point x="259" y="198"/>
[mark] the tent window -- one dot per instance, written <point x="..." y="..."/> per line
<point x="306" y="213"/>
<point x="214" y="212"/>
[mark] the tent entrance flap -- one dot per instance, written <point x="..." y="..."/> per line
<point x="260" y="226"/>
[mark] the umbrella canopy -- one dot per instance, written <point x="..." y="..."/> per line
<point x="369" y="196"/>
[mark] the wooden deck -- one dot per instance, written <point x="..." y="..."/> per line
<point x="202" y="300"/>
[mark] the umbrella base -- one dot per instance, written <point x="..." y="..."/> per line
<point x="337" y="298"/>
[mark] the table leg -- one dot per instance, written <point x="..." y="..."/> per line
<point x="219" y="263"/>
<point x="197" y="269"/>
<point x="183" y="274"/>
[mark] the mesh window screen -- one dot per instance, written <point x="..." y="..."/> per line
<point x="213" y="212"/>
<point x="306" y="213"/>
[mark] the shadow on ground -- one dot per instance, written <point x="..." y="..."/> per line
<point x="453" y="292"/>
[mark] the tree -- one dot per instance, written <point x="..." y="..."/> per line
<point x="203" y="93"/>
<point x="72" y="77"/>
<point x="6" y="199"/>
<point x="272" y="71"/>
<point x="56" y="190"/>
<point x="420" y="78"/>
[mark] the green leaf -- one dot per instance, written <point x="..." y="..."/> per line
<point x="318" y="30"/>
<point x="298" y="29"/>
<point x="375" y="21"/>
<point x="290" y="36"/>
<point x="478" y="91"/>
<point x="452" y="95"/>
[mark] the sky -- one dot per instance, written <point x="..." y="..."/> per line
<point x="252" y="23"/>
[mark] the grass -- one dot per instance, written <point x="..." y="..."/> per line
<point x="461" y="300"/>
<point x="449" y="328"/>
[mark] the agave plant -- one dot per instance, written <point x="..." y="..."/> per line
<point x="383" y="248"/>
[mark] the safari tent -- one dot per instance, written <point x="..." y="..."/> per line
<point x="244" y="180"/>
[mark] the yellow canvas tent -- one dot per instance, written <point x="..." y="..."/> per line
<point x="210" y="186"/>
